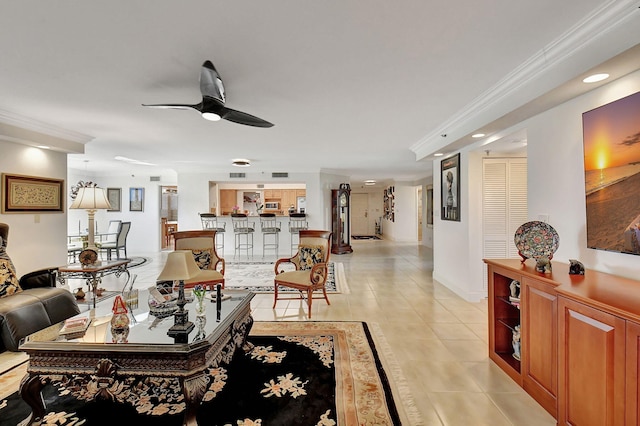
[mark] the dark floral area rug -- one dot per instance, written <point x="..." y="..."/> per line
<point x="298" y="373"/>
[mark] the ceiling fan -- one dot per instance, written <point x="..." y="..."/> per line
<point x="213" y="106"/>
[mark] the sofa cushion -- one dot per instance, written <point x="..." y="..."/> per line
<point x="8" y="279"/>
<point x="59" y="303"/>
<point x="20" y="315"/>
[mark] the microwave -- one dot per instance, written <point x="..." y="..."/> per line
<point x="271" y="205"/>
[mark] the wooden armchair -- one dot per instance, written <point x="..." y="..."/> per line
<point x="310" y="272"/>
<point x="202" y="244"/>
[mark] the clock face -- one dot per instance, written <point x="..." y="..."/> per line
<point x="88" y="257"/>
<point x="343" y="200"/>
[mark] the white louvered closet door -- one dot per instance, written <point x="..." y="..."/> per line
<point x="504" y="206"/>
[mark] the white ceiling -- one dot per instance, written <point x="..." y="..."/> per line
<point x="362" y="89"/>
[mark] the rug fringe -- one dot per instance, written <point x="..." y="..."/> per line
<point x="399" y="381"/>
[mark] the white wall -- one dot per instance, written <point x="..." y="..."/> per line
<point x="555" y="187"/>
<point x="36" y="240"/>
<point x="144" y="236"/>
<point x="556" y="176"/>
<point x="404" y="228"/>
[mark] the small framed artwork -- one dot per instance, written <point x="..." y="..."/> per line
<point x="136" y="199"/>
<point x="31" y="194"/>
<point x="450" y="175"/>
<point x="114" y="195"/>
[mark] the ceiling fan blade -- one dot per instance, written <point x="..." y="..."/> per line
<point x="174" y="106"/>
<point x="211" y="82"/>
<point x="244" y="118"/>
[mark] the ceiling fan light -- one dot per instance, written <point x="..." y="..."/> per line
<point x="211" y="116"/>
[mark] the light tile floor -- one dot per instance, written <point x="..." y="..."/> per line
<point x="438" y="339"/>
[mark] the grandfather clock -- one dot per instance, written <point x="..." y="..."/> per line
<point x="341" y="220"/>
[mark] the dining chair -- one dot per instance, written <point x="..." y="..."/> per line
<point x="120" y="242"/>
<point x="310" y="274"/>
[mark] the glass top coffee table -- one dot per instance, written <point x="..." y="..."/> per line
<point x="149" y="352"/>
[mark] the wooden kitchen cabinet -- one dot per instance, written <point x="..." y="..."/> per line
<point x="228" y="200"/>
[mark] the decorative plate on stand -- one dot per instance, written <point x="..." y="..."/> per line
<point x="535" y="240"/>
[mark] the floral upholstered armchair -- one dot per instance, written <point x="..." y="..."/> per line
<point x="310" y="274"/>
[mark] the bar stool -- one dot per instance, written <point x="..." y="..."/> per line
<point x="297" y="223"/>
<point x="243" y="230"/>
<point x="210" y="222"/>
<point x="270" y="227"/>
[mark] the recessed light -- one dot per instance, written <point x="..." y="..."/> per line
<point x="370" y="182"/>
<point x="478" y="135"/>
<point x="241" y="162"/>
<point x="595" y="78"/>
<point x="438" y="154"/>
<point x="43" y="147"/>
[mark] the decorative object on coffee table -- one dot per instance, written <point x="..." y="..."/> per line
<point x="119" y="321"/>
<point x="180" y="266"/>
<point x="536" y="239"/>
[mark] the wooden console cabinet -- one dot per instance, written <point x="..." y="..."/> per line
<point x="580" y="340"/>
<point x="536" y="371"/>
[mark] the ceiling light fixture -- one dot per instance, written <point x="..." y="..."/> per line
<point x="211" y="116"/>
<point x="370" y="182"/>
<point x="595" y="78"/>
<point x="241" y="162"/>
<point x="438" y="154"/>
<point x="478" y="135"/>
<point x="43" y="147"/>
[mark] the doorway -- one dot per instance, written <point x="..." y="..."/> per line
<point x="360" y="215"/>
<point x="168" y="214"/>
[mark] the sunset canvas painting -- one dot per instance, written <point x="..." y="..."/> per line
<point x="611" y="135"/>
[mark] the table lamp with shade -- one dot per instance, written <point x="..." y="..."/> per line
<point x="91" y="199"/>
<point x="180" y="266"/>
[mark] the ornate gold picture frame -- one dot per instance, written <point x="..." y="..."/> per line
<point x="31" y="194"/>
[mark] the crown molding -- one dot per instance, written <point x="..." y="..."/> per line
<point x="600" y="22"/>
<point x="42" y="128"/>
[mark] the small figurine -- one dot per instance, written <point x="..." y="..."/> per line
<point x="514" y="288"/>
<point x="576" y="267"/>
<point x="543" y="265"/>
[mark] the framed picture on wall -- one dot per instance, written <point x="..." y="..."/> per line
<point x="114" y="195"/>
<point x="450" y="176"/>
<point x="31" y="194"/>
<point x="136" y="199"/>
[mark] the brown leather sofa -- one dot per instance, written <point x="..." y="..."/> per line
<point x="39" y="304"/>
